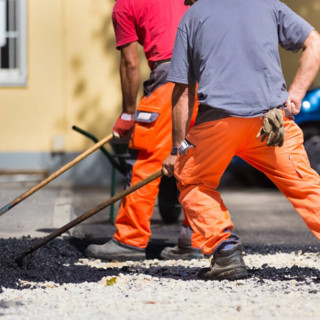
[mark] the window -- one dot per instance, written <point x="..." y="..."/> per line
<point x="13" y="53"/>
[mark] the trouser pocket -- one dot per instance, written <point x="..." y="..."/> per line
<point x="300" y="164"/>
<point x="144" y="133"/>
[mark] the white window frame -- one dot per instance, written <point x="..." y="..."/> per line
<point x="17" y="77"/>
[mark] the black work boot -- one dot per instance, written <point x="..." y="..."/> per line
<point x="183" y="250"/>
<point x="114" y="250"/>
<point x="226" y="264"/>
<point x="177" y="252"/>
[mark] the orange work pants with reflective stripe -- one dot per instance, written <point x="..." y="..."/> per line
<point x="199" y="172"/>
<point x="153" y="143"/>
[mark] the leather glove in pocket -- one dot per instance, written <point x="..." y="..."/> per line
<point x="272" y="128"/>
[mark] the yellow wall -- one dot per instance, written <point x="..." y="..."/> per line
<point x="72" y="78"/>
<point x="310" y="10"/>
<point x="73" y="75"/>
<point x="27" y="114"/>
<point x="91" y="64"/>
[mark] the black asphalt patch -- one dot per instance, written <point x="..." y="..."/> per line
<point x="55" y="262"/>
<point x="52" y="262"/>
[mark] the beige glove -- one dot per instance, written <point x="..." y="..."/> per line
<point x="272" y="128"/>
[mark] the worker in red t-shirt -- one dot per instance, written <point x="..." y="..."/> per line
<point x="153" y="24"/>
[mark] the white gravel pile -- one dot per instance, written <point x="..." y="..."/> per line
<point x="156" y="289"/>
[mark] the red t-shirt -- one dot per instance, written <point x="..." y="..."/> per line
<point x="153" y="23"/>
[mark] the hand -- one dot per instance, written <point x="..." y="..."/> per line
<point x="293" y="106"/>
<point x="124" y="125"/>
<point x="168" y="165"/>
<point x="272" y="128"/>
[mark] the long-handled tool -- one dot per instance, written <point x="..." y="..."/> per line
<point x="87" y="215"/>
<point x="117" y="165"/>
<point x="55" y="174"/>
<point x="103" y="149"/>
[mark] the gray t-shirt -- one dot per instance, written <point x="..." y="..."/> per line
<point x="230" y="48"/>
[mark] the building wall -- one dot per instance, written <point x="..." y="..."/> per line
<point x="28" y="113"/>
<point x="72" y="78"/>
<point x="92" y="89"/>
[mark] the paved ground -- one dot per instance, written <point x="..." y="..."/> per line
<point x="281" y="254"/>
<point x="261" y="216"/>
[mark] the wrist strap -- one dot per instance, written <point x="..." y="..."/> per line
<point x="174" y="151"/>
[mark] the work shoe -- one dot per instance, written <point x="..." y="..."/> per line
<point x="114" y="250"/>
<point x="177" y="252"/>
<point x="226" y="264"/>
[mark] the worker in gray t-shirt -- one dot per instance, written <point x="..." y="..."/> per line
<point x="230" y="48"/>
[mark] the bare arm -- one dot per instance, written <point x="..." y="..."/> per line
<point x="307" y="71"/>
<point x="130" y="76"/>
<point x="182" y="101"/>
<point x="130" y="81"/>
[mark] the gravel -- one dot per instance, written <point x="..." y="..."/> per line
<point x="58" y="281"/>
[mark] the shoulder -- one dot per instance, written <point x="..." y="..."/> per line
<point x="280" y="7"/>
<point x="188" y="16"/>
<point x="193" y="16"/>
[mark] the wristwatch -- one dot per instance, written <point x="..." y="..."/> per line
<point x="174" y="151"/>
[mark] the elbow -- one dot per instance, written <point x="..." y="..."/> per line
<point x="317" y="46"/>
<point x="313" y="44"/>
<point x="184" y="89"/>
<point x="180" y="91"/>
<point x="131" y="64"/>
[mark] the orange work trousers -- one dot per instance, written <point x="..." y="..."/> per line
<point x="152" y="143"/>
<point x="199" y="172"/>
